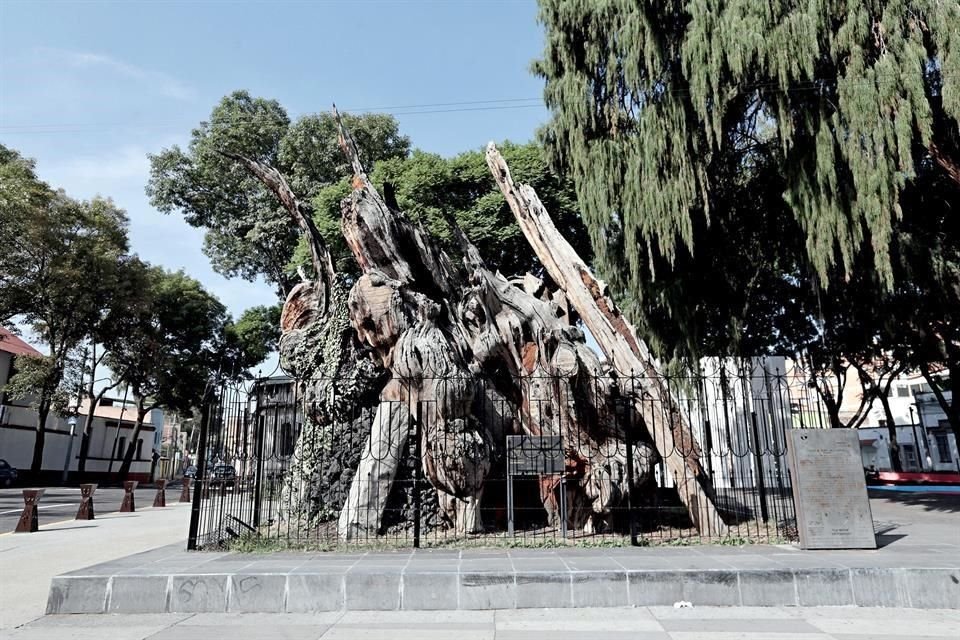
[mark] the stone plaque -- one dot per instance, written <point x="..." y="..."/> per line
<point x="534" y="455"/>
<point x="829" y="489"/>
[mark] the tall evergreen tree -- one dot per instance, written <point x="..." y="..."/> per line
<point x="735" y="161"/>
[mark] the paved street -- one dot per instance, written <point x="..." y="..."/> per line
<point x="648" y="623"/>
<point x="915" y="518"/>
<point x="61" y="503"/>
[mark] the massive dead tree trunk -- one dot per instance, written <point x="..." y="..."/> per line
<point x="477" y="357"/>
<point x="320" y="349"/>
<point x="616" y="336"/>
<point x="440" y="330"/>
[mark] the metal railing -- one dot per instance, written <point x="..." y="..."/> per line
<point x="275" y="462"/>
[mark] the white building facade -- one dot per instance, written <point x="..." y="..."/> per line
<point x="111" y="431"/>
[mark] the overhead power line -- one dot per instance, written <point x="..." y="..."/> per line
<point x="398" y="110"/>
<point x="768" y="87"/>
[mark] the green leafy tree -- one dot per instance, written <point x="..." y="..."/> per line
<point x="180" y="337"/>
<point x="54" y="248"/>
<point x="657" y="108"/>
<point x="22" y="196"/>
<point x="881" y="331"/>
<point x="920" y="317"/>
<point x="169" y="351"/>
<point x="433" y="190"/>
<point x="45" y="382"/>
<point x="760" y="177"/>
<point x="851" y="96"/>
<point x="248" y="233"/>
<point x="248" y="341"/>
<point x="122" y="285"/>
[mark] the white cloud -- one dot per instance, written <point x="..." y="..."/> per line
<point x="163" y="83"/>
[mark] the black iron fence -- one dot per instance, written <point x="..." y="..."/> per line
<point x="464" y="462"/>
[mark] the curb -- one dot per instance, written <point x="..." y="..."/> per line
<point x="397" y="589"/>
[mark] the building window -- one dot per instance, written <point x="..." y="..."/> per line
<point x="288" y="439"/>
<point x="121" y="445"/>
<point x="910" y="460"/>
<point x="943" y="446"/>
<point x="140" y="449"/>
<point x="903" y="392"/>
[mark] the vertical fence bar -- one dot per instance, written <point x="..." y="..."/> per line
<point x="258" y="456"/>
<point x="201" y="467"/>
<point x="758" y="460"/>
<point x="510" y="529"/>
<point x="707" y="430"/>
<point x="417" y="470"/>
<point x="628" y="439"/>
<point x="726" y="417"/>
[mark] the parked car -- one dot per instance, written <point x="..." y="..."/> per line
<point x="190" y="472"/>
<point x="8" y="475"/>
<point x="223" y="474"/>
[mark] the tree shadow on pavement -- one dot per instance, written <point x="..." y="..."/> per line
<point x="940" y="503"/>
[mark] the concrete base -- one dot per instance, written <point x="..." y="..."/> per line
<point x="175" y="581"/>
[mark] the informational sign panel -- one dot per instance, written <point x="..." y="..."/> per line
<point x="534" y="455"/>
<point x="829" y="489"/>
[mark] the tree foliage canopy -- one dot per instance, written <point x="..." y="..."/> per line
<point x="174" y="343"/>
<point x="67" y="273"/>
<point x="62" y="268"/>
<point x="249" y="340"/>
<point x="434" y="190"/>
<point x="778" y="140"/>
<point x="248" y="233"/>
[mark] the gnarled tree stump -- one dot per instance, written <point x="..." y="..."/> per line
<point x="478" y="357"/>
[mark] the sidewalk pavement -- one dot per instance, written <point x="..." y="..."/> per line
<point x="644" y="623"/>
<point x="28" y="561"/>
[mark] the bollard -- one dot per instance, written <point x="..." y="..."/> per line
<point x="185" y="492"/>
<point x="85" y="512"/>
<point x="161" y="499"/>
<point x="128" y="505"/>
<point x="28" y="522"/>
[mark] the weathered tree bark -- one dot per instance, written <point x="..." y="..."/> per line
<point x="442" y="332"/>
<point x="617" y="337"/>
<point x="476" y="357"/>
<point x="363" y="509"/>
<point x="321" y="350"/>
<point x="95" y="398"/>
<point x="142" y="410"/>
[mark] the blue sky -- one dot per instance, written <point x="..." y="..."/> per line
<point x="89" y="88"/>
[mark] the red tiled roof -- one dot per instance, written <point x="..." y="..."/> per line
<point x="12" y="344"/>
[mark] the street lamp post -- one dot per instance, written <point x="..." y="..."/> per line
<point x="72" y="421"/>
<point x="921" y="454"/>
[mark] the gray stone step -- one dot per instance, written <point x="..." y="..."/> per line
<point x="178" y="582"/>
